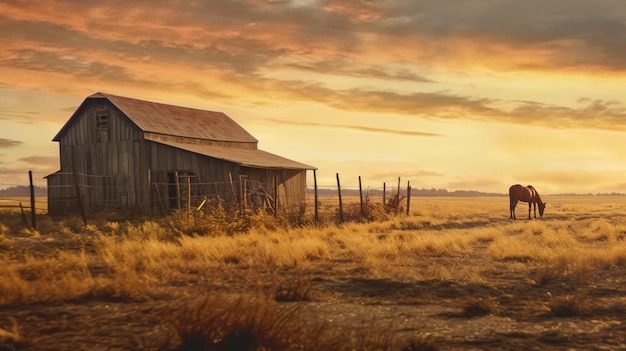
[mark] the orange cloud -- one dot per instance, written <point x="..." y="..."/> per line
<point x="8" y="143"/>
<point x="358" y="128"/>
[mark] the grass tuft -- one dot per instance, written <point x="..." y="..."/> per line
<point x="568" y="306"/>
<point x="298" y="289"/>
<point x="221" y="322"/>
<point x="10" y="337"/>
<point x="476" y="307"/>
<point x="420" y="344"/>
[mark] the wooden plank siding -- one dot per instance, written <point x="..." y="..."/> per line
<point x="118" y="165"/>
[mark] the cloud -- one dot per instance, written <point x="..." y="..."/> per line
<point x="594" y="114"/>
<point x="41" y="161"/>
<point x="412" y="175"/>
<point x="17" y="115"/>
<point x="246" y="34"/>
<point x="576" y="33"/>
<point x="357" y="128"/>
<point x="203" y="46"/>
<point x="72" y="66"/>
<point x="351" y="69"/>
<point x="8" y="143"/>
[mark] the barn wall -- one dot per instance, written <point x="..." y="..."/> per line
<point x="290" y="185"/>
<point x="125" y="170"/>
<point x="165" y="160"/>
<point x="109" y="153"/>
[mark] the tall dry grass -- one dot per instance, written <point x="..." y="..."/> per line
<point x="134" y="261"/>
<point x="127" y="260"/>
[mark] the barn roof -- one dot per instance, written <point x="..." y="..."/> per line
<point x="243" y="157"/>
<point x="173" y="120"/>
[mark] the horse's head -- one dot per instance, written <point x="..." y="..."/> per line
<point x="542" y="206"/>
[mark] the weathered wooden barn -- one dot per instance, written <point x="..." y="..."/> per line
<point x="123" y="153"/>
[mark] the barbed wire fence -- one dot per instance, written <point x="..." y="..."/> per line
<point x="14" y="201"/>
<point x="89" y="194"/>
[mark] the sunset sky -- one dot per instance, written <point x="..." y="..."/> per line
<point x="462" y="95"/>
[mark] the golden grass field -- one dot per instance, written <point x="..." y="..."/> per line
<point x="455" y="274"/>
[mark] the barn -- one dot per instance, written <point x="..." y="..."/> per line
<point x="123" y="153"/>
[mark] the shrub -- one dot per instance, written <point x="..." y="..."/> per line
<point x="567" y="306"/>
<point x="298" y="289"/>
<point x="476" y="308"/>
<point x="394" y="203"/>
<point x="420" y="344"/>
<point x="369" y="212"/>
<point x="10" y="338"/>
<point x="219" y="322"/>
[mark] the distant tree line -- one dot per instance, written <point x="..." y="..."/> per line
<point x="23" y="191"/>
<point x="439" y="192"/>
<point x="414" y="192"/>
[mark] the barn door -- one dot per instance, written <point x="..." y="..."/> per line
<point x="180" y="189"/>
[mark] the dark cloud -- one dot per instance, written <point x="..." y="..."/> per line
<point x="237" y="41"/>
<point x="580" y="33"/>
<point x="244" y="34"/>
<point x="358" y="128"/>
<point x="351" y="69"/>
<point x="52" y="62"/>
<point x="8" y="143"/>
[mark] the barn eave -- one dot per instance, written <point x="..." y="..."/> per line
<point x="244" y="157"/>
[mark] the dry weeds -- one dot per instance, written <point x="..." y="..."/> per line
<point x="399" y="283"/>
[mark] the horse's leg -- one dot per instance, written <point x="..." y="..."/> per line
<point x="529" y="206"/>
<point x="512" y="208"/>
<point x="535" y="209"/>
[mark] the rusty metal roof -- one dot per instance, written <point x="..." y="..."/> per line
<point x="177" y="121"/>
<point x="243" y="157"/>
<point x="157" y="118"/>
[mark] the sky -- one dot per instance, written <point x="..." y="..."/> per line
<point x="462" y="95"/>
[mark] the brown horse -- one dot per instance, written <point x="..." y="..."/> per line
<point x="525" y="194"/>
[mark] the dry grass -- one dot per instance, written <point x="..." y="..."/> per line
<point x="123" y="261"/>
<point x="129" y="260"/>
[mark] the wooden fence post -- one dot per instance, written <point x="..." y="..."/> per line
<point x="24" y="221"/>
<point x="340" y="202"/>
<point x="32" y="201"/>
<point x="384" y="194"/>
<point x="79" y="199"/>
<point x="188" y="197"/>
<point x="243" y="185"/>
<point x="232" y="188"/>
<point x="361" y="197"/>
<point x="398" y="187"/>
<point x="177" y="183"/>
<point x="148" y="206"/>
<point x="275" y="195"/>
<point x="316" y="203"/>
<point x="408" y="197"/>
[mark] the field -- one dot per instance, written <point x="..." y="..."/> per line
<point x="455" y="274"/>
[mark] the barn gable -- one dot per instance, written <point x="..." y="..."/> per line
<point x="166" y="120"/>
<point x="130" y="153"/>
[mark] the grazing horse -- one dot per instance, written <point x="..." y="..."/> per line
<point x="525" y="194"/>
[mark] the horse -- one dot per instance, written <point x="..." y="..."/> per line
<point x="526" y="194"/>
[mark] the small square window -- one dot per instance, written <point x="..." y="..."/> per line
<point x="102" y="126"/>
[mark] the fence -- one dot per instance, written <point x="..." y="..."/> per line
<point x="95" y="193"/>
<point x="21" y="198"/>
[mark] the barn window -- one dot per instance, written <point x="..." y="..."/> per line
<point x="102" y="126"/>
